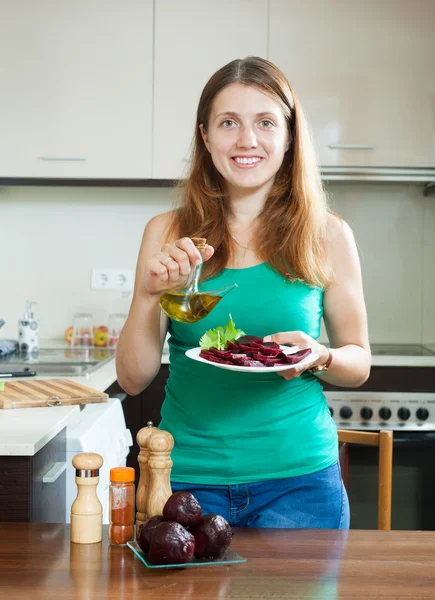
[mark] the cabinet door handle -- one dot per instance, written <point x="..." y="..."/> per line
<point x="64" y="158"/>
<point x="55" y="472"/>
<point x="351" y="147"/>
<point x="127" y="437"/>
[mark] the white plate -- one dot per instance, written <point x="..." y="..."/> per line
<point x="193" y="353"/>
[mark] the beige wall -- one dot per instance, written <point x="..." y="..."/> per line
<point x="51" y="238"/>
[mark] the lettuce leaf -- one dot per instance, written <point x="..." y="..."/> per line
<point x="219" y="336"/>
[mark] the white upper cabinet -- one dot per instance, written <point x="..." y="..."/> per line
<point x="193" y="39"/>
<point x="364" y="74"/>
<point x="76" y="89"/>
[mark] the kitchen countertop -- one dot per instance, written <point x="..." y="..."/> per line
<point x="37" y="559"/>
<point x="24" y="431"/>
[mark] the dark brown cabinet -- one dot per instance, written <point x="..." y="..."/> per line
<point x="138" y="410"/>
<point x="24" y="496"/>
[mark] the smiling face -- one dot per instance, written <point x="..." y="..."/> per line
<point x="247" y="136"/>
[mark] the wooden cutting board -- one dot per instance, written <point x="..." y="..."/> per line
<point x="47" y="392"/>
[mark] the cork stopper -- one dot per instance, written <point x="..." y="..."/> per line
<point x="87" y="461"/>
<point x="199" y="243"/>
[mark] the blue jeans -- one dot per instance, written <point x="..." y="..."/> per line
<point x="316" y="501"/>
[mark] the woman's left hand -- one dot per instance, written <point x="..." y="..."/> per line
<point x="301" y="339"/>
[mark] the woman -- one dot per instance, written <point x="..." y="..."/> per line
<point x="259" y="449"/>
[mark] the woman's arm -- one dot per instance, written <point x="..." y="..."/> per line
<point x="161" y="266"/>
<point x="139" y="350"/>
<point x="344" y="315"/>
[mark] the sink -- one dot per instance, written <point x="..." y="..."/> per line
<point x="55" y="369"/>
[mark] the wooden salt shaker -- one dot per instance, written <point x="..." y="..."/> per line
<point x="143" y="485"/>
<point x="160" y="444"/>
<point x="86" y="510"/>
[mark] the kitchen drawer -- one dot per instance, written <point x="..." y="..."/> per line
<point x="24" y="495"/>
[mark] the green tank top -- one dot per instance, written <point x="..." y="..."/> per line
<point x="232" y="427"/>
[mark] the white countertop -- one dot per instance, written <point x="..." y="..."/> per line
<point x="403" y="361"/>
<point x="24" y="431"/>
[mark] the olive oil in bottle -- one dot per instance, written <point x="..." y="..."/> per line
<point x="185" y="303"/>
<point x="188" y="309"/>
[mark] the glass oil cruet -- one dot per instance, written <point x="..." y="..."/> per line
<point x="185" y="303"/>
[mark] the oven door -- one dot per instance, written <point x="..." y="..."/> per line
<point x="413" y="497"/>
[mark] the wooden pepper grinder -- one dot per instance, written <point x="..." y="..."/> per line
<point x="160" y="444"/>
<point x="143" y="485"/>
<point x="86" y="510"/>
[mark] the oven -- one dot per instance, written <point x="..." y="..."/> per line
<point x="399" y="396"/>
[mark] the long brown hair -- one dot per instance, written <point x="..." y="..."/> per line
<point x="291" y="228"/>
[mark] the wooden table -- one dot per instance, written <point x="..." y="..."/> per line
<point x="37" y="561"/>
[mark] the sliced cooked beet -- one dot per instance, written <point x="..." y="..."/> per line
<point x="296" y="357"/>
<point x="253" y="363"/>
<point x="271" y="345"/>
<point x="232" y="347"/>
<point x="267" y="349"/>
<point x="248" y="339"/>
<point x="220" y="353"/>
<point x="213" y="358"/>
<point x="237" y="357"/>
<point x="247" y="348"/>
<point x="271" y="362"/>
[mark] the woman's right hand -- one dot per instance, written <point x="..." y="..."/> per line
<point x="172" y="264"/>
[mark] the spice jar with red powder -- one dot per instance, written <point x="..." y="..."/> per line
<point x="121" y="505"/>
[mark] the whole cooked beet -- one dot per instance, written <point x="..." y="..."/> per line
<point x="212" y="536"/>
<point x="144" y="538"/>
<point x="183" y="508"/>
<point x="171" y="544"/>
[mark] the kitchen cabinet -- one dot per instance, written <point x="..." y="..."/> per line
<point x="76" y="89"/>
<point x="33" y="488"/>
<point x="140" y="409"/>
<point x="193" y="39"/>
<point x="362" y="72"/>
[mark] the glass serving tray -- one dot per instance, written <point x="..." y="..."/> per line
<point x="230" y="557"/>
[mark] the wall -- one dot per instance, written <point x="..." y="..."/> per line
<point x="51" y="238"/>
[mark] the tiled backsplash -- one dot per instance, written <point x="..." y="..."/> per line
<point x="53" y="237"/>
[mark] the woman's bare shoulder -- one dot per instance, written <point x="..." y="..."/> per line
<point x="155" y="234"/>
<point x="159" y="224"/>
<point x="338" y="232"/>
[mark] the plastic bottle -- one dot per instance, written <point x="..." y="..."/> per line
<point x="28" y="331"/>
<point x="121" y="505"/>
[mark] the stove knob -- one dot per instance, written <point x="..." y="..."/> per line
<point x="366" y="413"/>
<point x="331" y="410"/>
<point x="385" y="413"/>
<point x="345" y="412"/>
<point x="404" y="414"/>
<point x="422" y="414"/>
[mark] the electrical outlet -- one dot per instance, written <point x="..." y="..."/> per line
<point x="112" y="279"/>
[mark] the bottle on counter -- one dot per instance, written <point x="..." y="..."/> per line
<point x="121" y="505"/>
<point x="28" y="331"/>
<point x="86" y="510"/>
